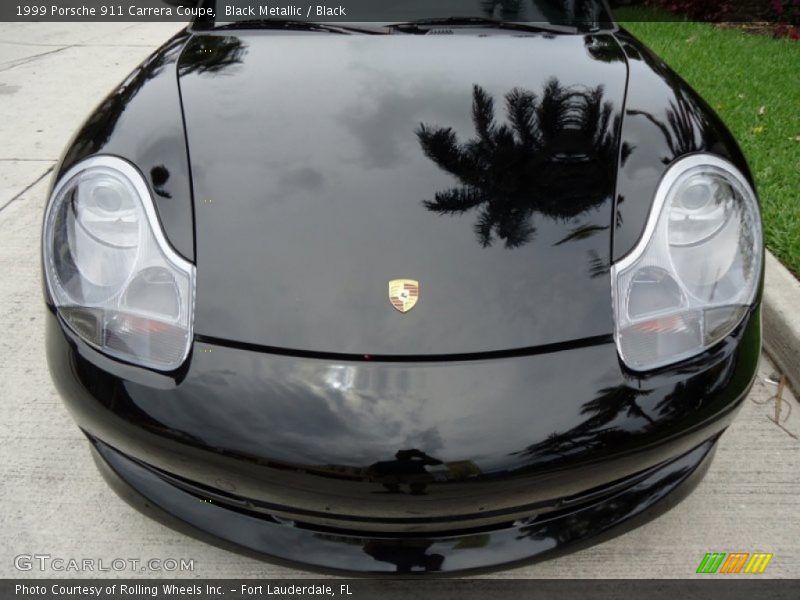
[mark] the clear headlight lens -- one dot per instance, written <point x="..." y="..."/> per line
<point x="693" y="275"/>
<point x="109" y="269"/>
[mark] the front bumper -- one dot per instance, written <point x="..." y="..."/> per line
<point x="547" y="536"/>
<point x="371" y="466"/>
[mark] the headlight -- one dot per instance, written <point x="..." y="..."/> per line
<point x="109" y="269"/>
<point x="693" y="275"/>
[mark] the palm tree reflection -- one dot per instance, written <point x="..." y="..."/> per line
<point x="529" y="165"/>
<point x="599" y="430"/>
<point x="681" y="133"/>
<point x="212" y="54"/>
<point x="566" y="12"/>
<point x="618" y="415"/>
<point x="684" y="123"/>
<point x="601" y="516"/>
<point x="204" y="55"/>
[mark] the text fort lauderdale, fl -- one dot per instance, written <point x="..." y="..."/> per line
<point x="169" y="589"/>
<point x="264" y="10"/>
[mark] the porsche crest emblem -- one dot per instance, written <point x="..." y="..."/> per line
<point x="403" y="294"/>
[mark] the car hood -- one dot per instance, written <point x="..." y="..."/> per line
<point x="326" y="165"/>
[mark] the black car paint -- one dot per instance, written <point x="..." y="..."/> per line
<point x="665" y="119"/>
<point x="468" y="551"/>
<point x="284" y="436"/>
<point x="306" y="432"/>
<point x="511" y="247"/>
<point x="142" y="121"/>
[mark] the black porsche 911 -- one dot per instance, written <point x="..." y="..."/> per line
<point x="434" y="295"/>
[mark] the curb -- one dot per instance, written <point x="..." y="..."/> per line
<point x="781" y="319"/>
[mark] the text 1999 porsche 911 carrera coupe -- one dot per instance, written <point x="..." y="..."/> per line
<point x="434" y="295"/>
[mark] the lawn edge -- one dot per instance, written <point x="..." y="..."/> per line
<point x="780" y="321"/>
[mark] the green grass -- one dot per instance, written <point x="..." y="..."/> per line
<point x="753" y="82"/>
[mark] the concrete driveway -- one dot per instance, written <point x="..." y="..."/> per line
<point x="52" y="500"/>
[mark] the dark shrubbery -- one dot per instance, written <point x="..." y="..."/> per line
<point x="780" y="18"/>
<point x="696" y="10"/>
<point x="786" y="11"/>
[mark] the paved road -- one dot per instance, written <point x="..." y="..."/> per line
<point x="53" y="501"/>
